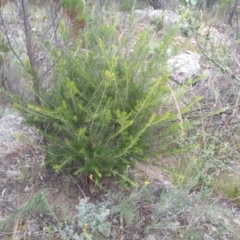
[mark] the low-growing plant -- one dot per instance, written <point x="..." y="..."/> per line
<point x="158" y="23"/>
<point x="91" y="219"/>
<point x="127" y="5"/>
<point x="228" y="184"/>
<point x="199" y="165"/>
<point x="36" y="206"/>
<point x="177" y="212"/>
<point x="129" y="207"/>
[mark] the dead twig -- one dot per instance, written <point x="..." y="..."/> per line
<point x="121" y="236"/>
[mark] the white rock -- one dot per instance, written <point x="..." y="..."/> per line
<point x="12" y="174"/>
<point x="175" y="226"/>
<point x="184" y="66"/>
<point x="27" y="189"/>
<point x="237" y="221"/>
<point x="214" y="36"/>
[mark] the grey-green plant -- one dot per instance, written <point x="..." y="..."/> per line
<point x="179" y="211"/>
<point x="91" y="219"/>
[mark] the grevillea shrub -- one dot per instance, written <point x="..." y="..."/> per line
<point x="110" y="106"/>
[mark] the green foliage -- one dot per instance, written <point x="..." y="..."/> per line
<point x="75" y="10"/>
<point x="3" y="45"/>
<point x="158" y="22"/>
<point x="74" y="5"/>
<point x="109" y="107"/>
<point x="193" y="2"/>
<point x="127" y="5"/>
<point x="228" y="184"/>
<point x="225" y="6"/>
<point x="37" y="205"/>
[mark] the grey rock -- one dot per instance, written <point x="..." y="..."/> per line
<point x="184" y="66"/>
<point x="27" y="189"/>
<point x="169" y="17"/>
<point x="12" y="174"/>
<point x="154" y="16"/>
<point x="142" y="14"/>
<point x="115" y="221"/>
<point x="215" y="36"/>
<point x="136" y="236"/>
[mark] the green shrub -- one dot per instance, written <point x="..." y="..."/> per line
<point x="109" y="107"/>
<point x="126" y="6"/>
<point x="73" y="5"/>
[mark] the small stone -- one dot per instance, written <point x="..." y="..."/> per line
<point x="213" y="229"/>
<point x="27" y="189"/>
<point x="12" y="174"/>
<point x="175" y="226"/>
<point x="107" y="212"/>
<point x="237" y="221"/>
<point x="115" y="221"/>
<point x="136" y="236"/>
